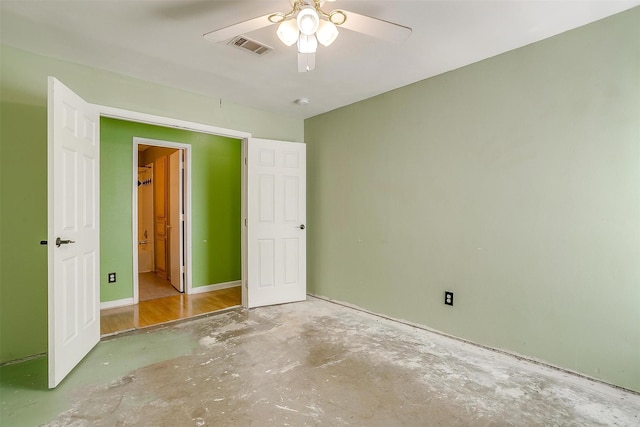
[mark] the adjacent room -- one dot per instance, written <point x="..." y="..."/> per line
<point x="157" y="193"/>
<point x="320" y="212"/>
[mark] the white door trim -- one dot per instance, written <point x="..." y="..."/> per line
<point x="187" y="201"/>
<point x="134" y="116"/>
<point x="244" y="223"/>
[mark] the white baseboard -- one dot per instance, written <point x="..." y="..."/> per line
<point x="198" y="290"/>
<point x="216" y="287"/>
<point x="116" y="303"/>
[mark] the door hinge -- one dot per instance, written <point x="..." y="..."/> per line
<point x="246" y="222"/>
<point x="245" y="161"/>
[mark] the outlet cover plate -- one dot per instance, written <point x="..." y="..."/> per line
<point x="111" y="278"/>
<point x="448" y="298"/>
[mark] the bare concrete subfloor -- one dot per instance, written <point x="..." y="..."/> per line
<point x="306" y="364"/>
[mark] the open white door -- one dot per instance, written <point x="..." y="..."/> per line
<point x="176" y="218"/>
<point x="73" y="229"/>
<point x="276" y="235"/>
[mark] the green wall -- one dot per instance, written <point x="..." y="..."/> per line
<point x="23" y="223"/>
<point x="23" y="173"/>
<point x="513" y="182"/>
<point x="215" y="173"/>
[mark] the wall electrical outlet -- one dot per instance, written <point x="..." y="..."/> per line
<point x="448" y="298"/>
<point x="111" y="278"/>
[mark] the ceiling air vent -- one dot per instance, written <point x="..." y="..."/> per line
<point x="250" y="45"/>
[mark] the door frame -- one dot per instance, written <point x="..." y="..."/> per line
<point x="244" y="208"/>
<point x="186" y="200"/>
<point x="133" y="116"/>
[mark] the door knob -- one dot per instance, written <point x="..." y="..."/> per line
<point x="59" y="242"/>
<point x="301" y="226"/>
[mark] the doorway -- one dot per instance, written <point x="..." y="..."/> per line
<point x="105" y="212"/>
<point x="160" y="219"/>
<point x="141" y="159"/>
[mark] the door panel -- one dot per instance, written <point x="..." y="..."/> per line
<point x="175" y="215"/>
<point x="145" y="221"/>
<point x="73" y="195"/>
<point x="160" y="214"/>
<point x="276" y="235"/>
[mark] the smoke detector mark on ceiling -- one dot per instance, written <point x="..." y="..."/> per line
<point x="249" y="45"/>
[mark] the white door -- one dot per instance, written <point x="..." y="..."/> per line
<point x="276" y="235"/>
<point x="73" y="220"/>
<point x="176" y="214"/>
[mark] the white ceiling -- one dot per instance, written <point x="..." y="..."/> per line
<point x="161" y="41"/>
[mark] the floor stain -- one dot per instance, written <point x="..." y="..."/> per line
<point x="315" y="363"/>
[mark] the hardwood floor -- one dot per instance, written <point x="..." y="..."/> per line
<point x="152" y="286"/>
<point x="162" y="310"/>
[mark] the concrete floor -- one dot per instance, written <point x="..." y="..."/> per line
<point x="311" y="363"/>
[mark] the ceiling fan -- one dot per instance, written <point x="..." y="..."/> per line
<point x="306" y="25"/>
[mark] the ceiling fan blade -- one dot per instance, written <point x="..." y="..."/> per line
<point x="375" y="27"/>
<point x="306" y="62"/>
<point x="240" y="28"/>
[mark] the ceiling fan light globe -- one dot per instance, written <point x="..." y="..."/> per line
<point x="308" y="21"/>
<point x="327" y="33"/>
<point x="337" y="17"/>
<point x="288" y="32"/>
<point x="307" y="44"/>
